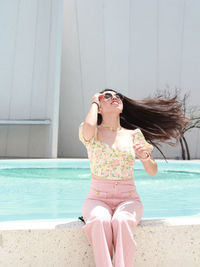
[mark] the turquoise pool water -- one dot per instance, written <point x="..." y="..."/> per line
<point x="53" y="189"/>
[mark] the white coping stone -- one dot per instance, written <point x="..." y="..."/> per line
<point x="72" y="223"/>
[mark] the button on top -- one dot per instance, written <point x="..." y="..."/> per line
<point x="116" y="183"/>
<point x="97" y="192"/>
<point x="130" y="194"/>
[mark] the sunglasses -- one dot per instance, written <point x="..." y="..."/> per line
<point x="109" y="95"/>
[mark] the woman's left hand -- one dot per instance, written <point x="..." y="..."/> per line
<point x="140" y="150"/>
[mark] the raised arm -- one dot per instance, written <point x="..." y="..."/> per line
<point x="90" y="122"/>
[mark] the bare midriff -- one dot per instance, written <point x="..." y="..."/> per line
<point x="106" y="178"/>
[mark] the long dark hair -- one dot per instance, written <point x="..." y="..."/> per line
<point x="158" y="118"/>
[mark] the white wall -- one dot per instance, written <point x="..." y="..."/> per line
<point x="30" y="52"/>
<point x="135" y="47"/>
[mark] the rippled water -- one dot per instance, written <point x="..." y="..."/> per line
<point x="56" y="190"/>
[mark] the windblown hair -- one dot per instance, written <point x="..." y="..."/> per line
<point x="158" y="118"/>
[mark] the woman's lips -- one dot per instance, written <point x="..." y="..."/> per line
<point x="115" y="102"/>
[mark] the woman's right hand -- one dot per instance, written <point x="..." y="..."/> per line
<point x="96" y="98"/>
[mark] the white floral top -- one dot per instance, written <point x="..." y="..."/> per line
<point x="109" y="162"/>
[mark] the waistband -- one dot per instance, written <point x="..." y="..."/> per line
<point x="109" y="185"/>
<point x="113" y="181"/>
<point x="112" y="178"/>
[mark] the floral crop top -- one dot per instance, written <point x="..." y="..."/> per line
<point x="109" y="162"/>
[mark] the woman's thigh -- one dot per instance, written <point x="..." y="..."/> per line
<point x="93" y="208"/>
<point x="129" y="209"/>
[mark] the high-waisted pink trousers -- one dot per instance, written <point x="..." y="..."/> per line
<point x="111" y="211"/>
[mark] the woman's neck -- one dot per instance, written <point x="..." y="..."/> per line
<point x="112" y="122"/>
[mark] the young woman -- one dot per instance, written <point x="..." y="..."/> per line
<point x="115" y="131"/>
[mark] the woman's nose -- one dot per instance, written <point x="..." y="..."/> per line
<point x="114" y="97"/>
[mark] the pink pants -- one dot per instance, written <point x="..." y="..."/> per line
<point x="111" y="210"/>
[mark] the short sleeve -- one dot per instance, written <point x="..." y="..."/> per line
<point x="139" y="138"/>
<point x="81" y="137"/>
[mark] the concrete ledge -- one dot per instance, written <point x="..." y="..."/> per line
<point x="170" y="242"/>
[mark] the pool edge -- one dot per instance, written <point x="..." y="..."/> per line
<point x="70" y="223"/>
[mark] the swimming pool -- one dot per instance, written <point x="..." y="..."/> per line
<point x="55" y="189"/>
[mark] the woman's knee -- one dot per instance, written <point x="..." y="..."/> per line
<point x="124" y="217"/>
<point x="102" y="217"/>
<point x="96" y="210"/>
<point x="99" y="215"/>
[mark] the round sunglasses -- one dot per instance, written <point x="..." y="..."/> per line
<point x="109" y="95"/>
